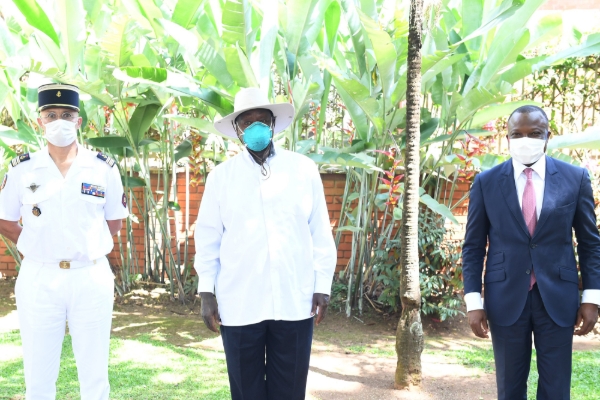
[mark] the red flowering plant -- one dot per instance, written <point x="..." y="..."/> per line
<point x="391" y="179"/>
<point x="473" y="149"/>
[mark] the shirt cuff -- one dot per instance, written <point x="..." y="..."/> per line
<point x="591" y="296"/>
<point x="11" y="218"/>
<point x="118" y="215"/>
<point x="473" y="301"/>
<point x="323" y="286"/>
<point x="206" y="285"/>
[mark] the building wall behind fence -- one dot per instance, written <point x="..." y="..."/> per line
<point x="334" y="189"/>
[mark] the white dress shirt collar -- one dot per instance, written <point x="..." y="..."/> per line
<point x="248" y="156"/>
<point x="539" y="167"/>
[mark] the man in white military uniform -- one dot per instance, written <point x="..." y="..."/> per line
<point x="71" y="202"/>
<point x="264" y="242"/>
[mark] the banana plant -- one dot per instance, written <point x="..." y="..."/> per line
<point x="472" y="56"/>
<point x="155" y="74"/>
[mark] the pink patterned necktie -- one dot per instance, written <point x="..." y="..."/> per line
<point x="529" y="212"/>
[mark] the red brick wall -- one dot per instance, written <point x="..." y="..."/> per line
<point x="460" y="211"/>
<point x="334" y="189"/>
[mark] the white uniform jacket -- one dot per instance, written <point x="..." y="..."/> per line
<point x="64" y="218"/>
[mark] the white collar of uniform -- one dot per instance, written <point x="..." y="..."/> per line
<point x="539" y="167"/>
<point x="85" y="156"/>
<point x="43" y="160"/>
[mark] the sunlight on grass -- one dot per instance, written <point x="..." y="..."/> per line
<point x="585" y="381"/>
<point x="10" y="348"/>
<point x="137" y="325"/>
<point x="479" y="358"/>
<point x="186" y="335"/>
<point x="140" y="368"/>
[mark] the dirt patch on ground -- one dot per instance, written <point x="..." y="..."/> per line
<point x="353" y="358"/>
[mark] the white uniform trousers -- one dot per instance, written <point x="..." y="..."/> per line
<point x="47" y="297"/>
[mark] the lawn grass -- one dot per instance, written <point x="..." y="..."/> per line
<point x="585" y="380"/>
<point x="140" y="368"/>
<point x="146" y="366"/>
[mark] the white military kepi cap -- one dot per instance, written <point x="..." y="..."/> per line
<point x="250" y="99"/>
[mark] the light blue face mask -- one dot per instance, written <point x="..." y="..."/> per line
<point x="257" y="136"/>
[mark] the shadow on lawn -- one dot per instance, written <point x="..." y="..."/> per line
<point x="366" y="377"/>
<point x="7" y="298"/>
<point x="140" y="368"/>
<point x="188" y="330"/>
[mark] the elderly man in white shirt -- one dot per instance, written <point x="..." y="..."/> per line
<point x="264" y="246"/>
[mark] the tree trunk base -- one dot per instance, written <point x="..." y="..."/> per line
<point x="409" y="346"/>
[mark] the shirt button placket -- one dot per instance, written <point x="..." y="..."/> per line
<point x="63" y="219"/>
<point x="270" y="227"/>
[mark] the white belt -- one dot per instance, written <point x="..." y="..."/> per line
<point x="68" y="264"/>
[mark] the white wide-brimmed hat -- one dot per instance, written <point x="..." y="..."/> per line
<point x="250" y="99"/>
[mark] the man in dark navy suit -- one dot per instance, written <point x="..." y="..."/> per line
<point x="521" y="215"/>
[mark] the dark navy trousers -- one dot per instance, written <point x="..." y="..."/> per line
<point x="268" y="360"/>
<point x="512" y="353"/>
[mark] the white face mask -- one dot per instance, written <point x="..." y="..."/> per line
<point x="61" y="133"/>
<point x="526" y="150"/>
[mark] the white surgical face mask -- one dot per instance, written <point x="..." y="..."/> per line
<point x="526" y="150"/>
<point x="61" y="133"/>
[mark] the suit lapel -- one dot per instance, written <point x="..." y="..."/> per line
<point x="551" y="193"/>
<point x="509" y="190"/>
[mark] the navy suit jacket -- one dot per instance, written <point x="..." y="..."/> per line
<point x="495" y="218"/>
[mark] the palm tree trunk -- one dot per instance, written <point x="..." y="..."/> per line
<point x="409" y="335"/>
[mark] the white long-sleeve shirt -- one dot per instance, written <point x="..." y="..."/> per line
<point x="473" y="300"/>
<point x="264" y="244"/>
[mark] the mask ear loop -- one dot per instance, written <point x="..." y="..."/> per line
<point x="235" y="129"/>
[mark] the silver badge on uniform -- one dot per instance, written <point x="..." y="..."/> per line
<point x="33" y="187"/>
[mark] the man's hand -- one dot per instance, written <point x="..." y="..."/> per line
<point x="210" y="311"/>
<point x="11" y="230"/>
<point x="321" y="301"/>
<point x="478" y="322"/>
<point x="587" y="316"/>
<point x="114" y="226"/>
